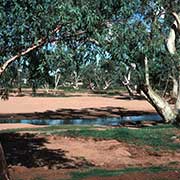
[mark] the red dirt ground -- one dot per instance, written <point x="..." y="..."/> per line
<point x="110" y="153"/>
<point x="29" y="104"/>
<point x="76" y="105"/>
<point x="106" y="154"/>
<point x="29" y="174"/>
<point x="76" y="151"/>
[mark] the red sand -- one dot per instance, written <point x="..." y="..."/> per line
<point x="93" y="151"/>
<point x="19" y="107"/>
<point x="40" y="104"/>
<point x="17" y="125"/>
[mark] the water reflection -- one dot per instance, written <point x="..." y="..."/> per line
<point x="98" y="121"/>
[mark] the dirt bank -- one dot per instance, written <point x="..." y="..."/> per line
<point x="54" y="157"/>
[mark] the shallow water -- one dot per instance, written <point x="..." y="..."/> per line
<point x="98" y="121"/>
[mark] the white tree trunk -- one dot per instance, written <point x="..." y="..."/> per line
<point x="161" y="106"/>
<point x="76" y="80"/>
<point x="175" y="87"/>
<point x="107" y="85"/>
<point x="127" y="80"/>
<point x="171" y="41"/>
<point x="57" y="79"/>
<point x="178" y="102"/>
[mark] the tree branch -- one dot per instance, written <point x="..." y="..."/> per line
<point x="40" y="43"/>
<point x="146" y="71"/>
<point x="171" y="45"/>
<point x="177" y="18"/>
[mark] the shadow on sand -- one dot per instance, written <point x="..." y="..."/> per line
<point x="28" y="150"/>
<point x="85" y="113"/>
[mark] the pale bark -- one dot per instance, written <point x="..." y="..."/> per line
<point x="178" y="97"/>
<point x="40" y="43"/>
<point x="166" y="88"/>
<point x="146" y="71"/>
<point x="130" y="91"/>
<point x="92" y="86"/>
<point x="175" y="87"/>
<point x="46" y="87"/>
<point x="177" y="20"/>
<point x="171" y="41"/>
<point x="76" y="80"/>
<point x="107" y="84"/>
<point x="57" y="79"/>
<point x="172" y="51"/>
<point x="126" y="83"/>
<point x="161" y="106"/>
<point x="127" y="79"/>
<point x="19" y="79"/>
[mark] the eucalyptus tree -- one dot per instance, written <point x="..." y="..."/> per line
<point x="38" y="70"/>
<point x="163" y="33"/>
<point x="148" y="37"/>
<point x="140" y="32"/>
<point x="100" y="74"/>
<point x="30" y="24"/>
<point x="58" y="61"/>
<point x="68" y="60"/>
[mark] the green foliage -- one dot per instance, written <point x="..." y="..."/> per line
<point x="24" y="23"/>
<point x="126" y="31"/>
<point x="158" y="137"/>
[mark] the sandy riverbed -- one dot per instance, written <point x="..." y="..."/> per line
<point x="79" y="105"/>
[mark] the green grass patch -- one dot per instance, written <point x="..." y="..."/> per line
<point x="66" y="127"/>
<point x="79" y="175"/>
<point x="174" y="163"/>
<point x="110" y="173"/>
<point x="54" y="129"/>
<point x="158" y="137"/>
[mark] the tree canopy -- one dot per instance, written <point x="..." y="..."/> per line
<point x="127" y="32"/>
<point x="97" y="41"/>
